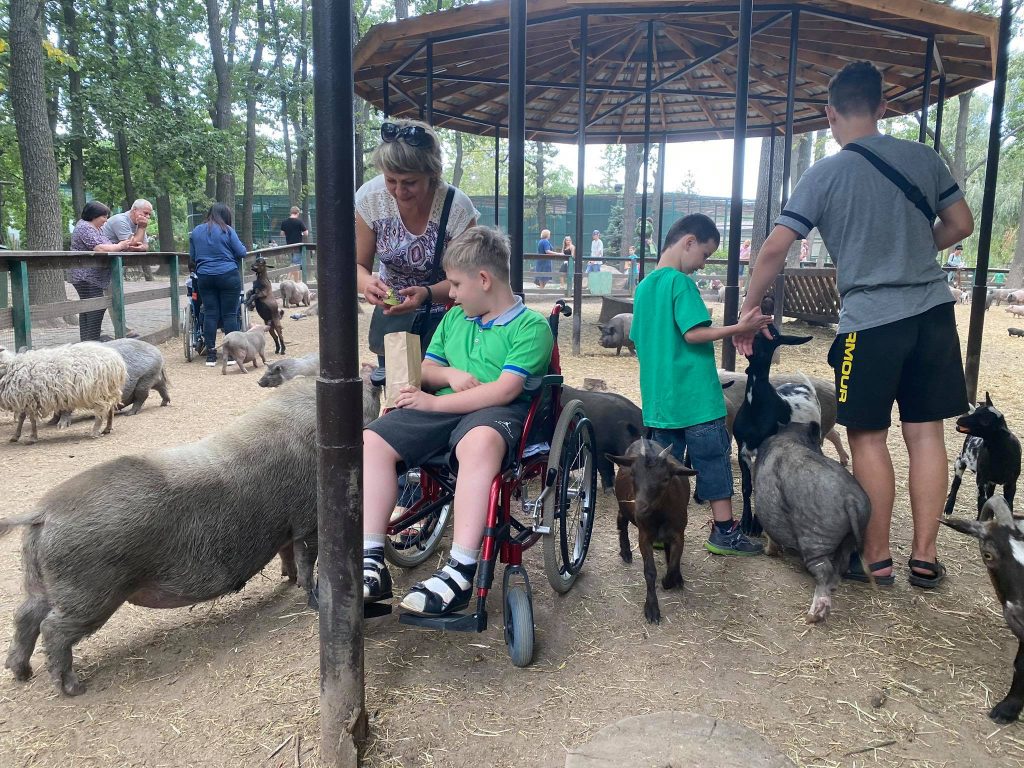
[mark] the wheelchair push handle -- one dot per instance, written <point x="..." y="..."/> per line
<point x="560" y="309"/>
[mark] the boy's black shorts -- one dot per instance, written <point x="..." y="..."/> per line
<point x="418" y="435"/>
<point x="914" y="362"/>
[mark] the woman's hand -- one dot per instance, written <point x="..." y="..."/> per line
<point x="414" y="298"/>
<point x="375" y="291"/>
<point x="460" y="381"/>
<point x="414" y="398"/>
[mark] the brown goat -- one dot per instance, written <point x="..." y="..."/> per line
<point x="261" y="298"/>
<point x="653" y="491"/>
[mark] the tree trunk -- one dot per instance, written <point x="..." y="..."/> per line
<point x="1016" y="274"/>
<point x="126" y="169"/>
<point x="252" y="94"/>
<point x="401" y="9"/>
<point x="769" y="192"/>
<point x="225" y="189"/>
<point x="302" y="136"/>
<point x="542" y="201"/>
<point x="634" y="161"/>
<point x="76" y="108"/>
<point x="959" y="169"/>
<point x="283" y="95"/>
<point x="43" y="223"/>
<point x="654" y="207"/>
<point x="457" y="169"/>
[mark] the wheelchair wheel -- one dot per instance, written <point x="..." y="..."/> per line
<point x="569" y="511"/>
<point x="186" y="335"/>
<point x="519" y="634"/>
<point x="412" y="546"/>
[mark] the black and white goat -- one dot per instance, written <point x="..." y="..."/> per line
<point x="1001" y="538"/>
<point x="765" y="408"/>
<point x="991" y="451"/>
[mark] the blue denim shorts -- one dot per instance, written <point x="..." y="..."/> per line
<point x="710" y="453"/>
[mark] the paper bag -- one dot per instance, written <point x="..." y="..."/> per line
<point x="402" y="361"/>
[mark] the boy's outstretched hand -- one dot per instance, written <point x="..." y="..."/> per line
<point x="748" y="325"/>
<point x="415" y="398"/>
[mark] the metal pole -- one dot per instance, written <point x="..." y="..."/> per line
<point x="939" y="109"/>
<point x="647" y="151"/>
<point x="387" y="96"/>
<point x="661" y="195"/>
<point x="995" y="136"/>
<point x="732" y="276"/>
<point x="581" y="154"/>
<point x="516" y="135"/>
<point x="929" y="62"/>
<point x="787" y="160"/>
<point x="497" y="173"/>
<point x="343" y="719"/>
<point x="430" y="83"/>
<point x="771" y="184"/>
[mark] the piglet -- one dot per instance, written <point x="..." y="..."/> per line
<point x="1017" y="310"/>
<point x="241" y="347"/>
<point x="615" y="333"/>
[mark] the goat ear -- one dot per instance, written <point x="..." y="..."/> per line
<point x="988" y="400"/>
<point x="793" y="341"/>
<point x="622" y="461"/>
<point x="682" y="471"/>
<point x="728" y="384"/>
<point x="971" y="527"/>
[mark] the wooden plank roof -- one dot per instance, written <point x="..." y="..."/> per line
<point x="694" y="65"/>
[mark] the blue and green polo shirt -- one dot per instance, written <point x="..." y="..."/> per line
<point x="518" y="341"/>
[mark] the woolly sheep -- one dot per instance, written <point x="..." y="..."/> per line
<point x="41" y="382"/>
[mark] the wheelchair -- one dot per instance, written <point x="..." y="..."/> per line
<point x="548" y="495"/>
<point x="192" y="324"/>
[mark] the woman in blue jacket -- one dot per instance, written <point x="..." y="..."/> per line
<point x="217" y="253"/>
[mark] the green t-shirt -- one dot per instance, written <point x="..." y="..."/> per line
<point x="518" y="340"/>
<point x="678" y="381"/>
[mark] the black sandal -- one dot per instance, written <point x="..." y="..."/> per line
<point x="440" y="605"/>
<point x="937" y="570"/>
<point x="856" y="571"/>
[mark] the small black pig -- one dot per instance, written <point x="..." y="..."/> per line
<point x="614" y="418"/>
<point x="615" y="333"/>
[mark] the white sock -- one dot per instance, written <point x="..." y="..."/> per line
<point x="417" y="601"/>
<point x="464" y="555"/>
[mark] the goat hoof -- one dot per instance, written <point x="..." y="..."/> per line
<point x="1005" y="712"/>
<point x="13" y="440"/>
<point x="672" y="580"/>
<point x="625" y="554"/>
<point x="652" y="613"/>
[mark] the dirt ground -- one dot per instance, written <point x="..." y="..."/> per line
<point x="899" y="677"/>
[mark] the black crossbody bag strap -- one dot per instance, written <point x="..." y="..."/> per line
<point x="442" y="232"/>
<point x="912" y="192"/>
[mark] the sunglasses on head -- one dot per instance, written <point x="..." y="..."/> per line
<point x="413" y="135"/>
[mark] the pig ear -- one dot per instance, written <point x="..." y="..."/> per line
<point x="970" y="527"/>
<point x="622" y="461"/>
<point x="601" y="326"/>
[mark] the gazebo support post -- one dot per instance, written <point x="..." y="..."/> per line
<point x="995" y="135"/>
<point x="343" y="717"/>
<point x="647" y="152"/>
<point x="940" y="107"/>
<point x="497" y="173"/>
<point x="732" y="290"/>
<point x="516" y="135"/>
<point x="581" y="154"/>
<point x="430" y="83"/>
<point x="787" y="160"/>
<point x="661" y="196"/>
<point x="926" y="89"/>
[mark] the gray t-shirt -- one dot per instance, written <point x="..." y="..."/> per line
<point x="120" y="227"/>
<point x="883" y="248"/>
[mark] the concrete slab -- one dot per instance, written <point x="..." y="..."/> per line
<point x="676" y="740"/>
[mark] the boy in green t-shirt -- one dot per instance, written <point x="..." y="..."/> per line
<point x="682" y="397"/>
<point x="472" y="405"/>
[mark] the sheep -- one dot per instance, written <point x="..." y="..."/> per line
<point x="40" y="382"/>
<point x="241" y="347"/>
<point x="990" y="450"/>
<point x="653" y="491"/>
<point x="294" y="292"/>
<point x="167" y="528"/>
<point x="825" y="392"/>
<point x="808" y="503"/>
<point x="1001" y="540"/>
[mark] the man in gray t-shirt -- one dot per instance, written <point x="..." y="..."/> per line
<point x="131" y="226"/>
<point x="897" y="339"/>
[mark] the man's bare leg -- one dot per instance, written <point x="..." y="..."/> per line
<point x="872" y="466"/>
<point x="929" y="469"/>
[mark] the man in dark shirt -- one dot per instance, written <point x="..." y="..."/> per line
<point x="294" y="230"/>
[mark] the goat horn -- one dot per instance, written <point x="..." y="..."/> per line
<point x="643" y="447"/>
<point x="665" y="452"/>
<point x="1001" y="510"/>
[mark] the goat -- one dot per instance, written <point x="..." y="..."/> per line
<point x="754" y="424"/>
<point x="261" y="298"/>
<point x="1001" y="539"/>
<point x="653" y="491"/>
<point x="991" y="451"/>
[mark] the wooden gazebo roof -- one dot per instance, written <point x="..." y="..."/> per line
<point x="693" y="69"/>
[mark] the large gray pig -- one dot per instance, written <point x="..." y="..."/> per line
<point x="174" y="528"/>
<point x="145" y="364"/>
<point x="612" y="416"/>
<point x="615" y="333"/>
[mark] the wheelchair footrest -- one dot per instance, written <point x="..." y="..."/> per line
<point x="454" y="622"/>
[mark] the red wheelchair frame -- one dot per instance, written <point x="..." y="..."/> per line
<point x="552" y="482"/>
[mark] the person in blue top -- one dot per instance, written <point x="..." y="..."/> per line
<point x="215" y="253"/>
<point x="544" y="247"/>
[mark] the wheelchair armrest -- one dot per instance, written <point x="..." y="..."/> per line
<point x="534" y="384"/>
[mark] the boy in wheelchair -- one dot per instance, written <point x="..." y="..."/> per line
<point x="472" y="407"/>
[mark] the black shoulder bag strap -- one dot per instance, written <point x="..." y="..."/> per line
<point x="442" y="232"/>
<point x="912" y="192"/>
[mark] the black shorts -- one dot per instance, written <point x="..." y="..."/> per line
<point x="419" y="435"/>
<point x="914" y="362"/>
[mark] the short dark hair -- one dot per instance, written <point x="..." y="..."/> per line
<point x="856" y="89"/>
<point x="696" y="224"/>
<point x="93" y="210"/>
<point x="220" y="215"/>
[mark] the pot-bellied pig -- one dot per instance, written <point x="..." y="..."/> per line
<point x="172" y="528"/>
<point x="1001" y="538"/>
<point x="294" y="292"/>
<point x="615" y="333"/>
<point x="1017" y="310"/>
<point x="39" y="383"/>
<point x="241" y="347"/>
<point x="653" y="491"/>
<point x="990" y="450"/>
<point x="617" y="423"/>
<point x="281" y="371"/>
<point x="145" y="364"/>
<point x="806" y="502"/>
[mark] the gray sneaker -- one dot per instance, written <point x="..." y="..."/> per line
<point x="733" y="542"/>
